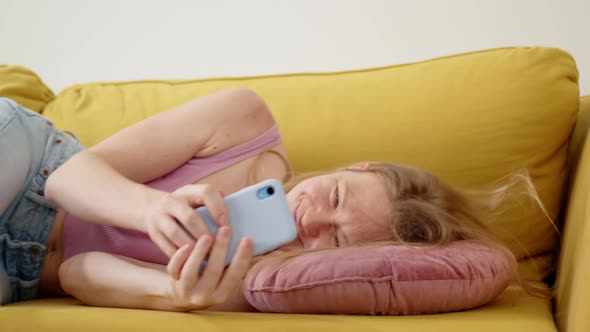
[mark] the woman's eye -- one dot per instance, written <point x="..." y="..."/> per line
<point x="336" y="240"/>
<point x="337" y="197"/>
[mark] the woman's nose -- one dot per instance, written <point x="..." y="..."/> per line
<point x="315" y="220"/>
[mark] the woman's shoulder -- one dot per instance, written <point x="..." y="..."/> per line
<point x="249" y="144"/>
<point x="245" y="118"/>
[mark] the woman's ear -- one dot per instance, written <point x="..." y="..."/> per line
<point x="364" y="166"/>
<point x="360" y="166"/>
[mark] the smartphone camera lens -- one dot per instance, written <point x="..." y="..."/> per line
<point x="270" y="191"/>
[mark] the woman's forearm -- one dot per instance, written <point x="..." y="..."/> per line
<point x="106" y="280"/>
<point x="89" y="188"/>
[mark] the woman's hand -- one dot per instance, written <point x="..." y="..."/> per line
<point x="189" y="291"/>
<point x="168" y="221"/>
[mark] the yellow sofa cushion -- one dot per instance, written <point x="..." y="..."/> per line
<point x="24" y="86"/>
<point x="470" y="118"/>
<point x="513" y="311"/>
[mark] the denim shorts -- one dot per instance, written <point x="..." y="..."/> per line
<point x="31" y="148"/>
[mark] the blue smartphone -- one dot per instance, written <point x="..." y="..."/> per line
<point x="260" y="212"/>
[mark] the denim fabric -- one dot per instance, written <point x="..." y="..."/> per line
<point x="31" y="148"/>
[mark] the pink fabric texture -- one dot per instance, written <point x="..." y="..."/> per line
<point x="383" y="280"/>
<point x="81" y="236"/>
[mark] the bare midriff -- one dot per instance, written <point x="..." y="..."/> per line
<point x="49" y="278"/>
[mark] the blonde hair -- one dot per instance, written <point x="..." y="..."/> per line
<point x="425" y="211"/>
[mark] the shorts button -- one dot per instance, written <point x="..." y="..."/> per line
<point x="40" y="192"/>
<point x="57" y="141"/>
<point x="45" y="172"/>
<point x="34" y="251"/>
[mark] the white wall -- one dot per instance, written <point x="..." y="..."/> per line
<point x="74" y="41"/>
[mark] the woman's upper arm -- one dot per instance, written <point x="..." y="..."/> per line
<point x="159" y="144"/>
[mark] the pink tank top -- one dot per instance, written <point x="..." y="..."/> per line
<point x="81" y="236"/>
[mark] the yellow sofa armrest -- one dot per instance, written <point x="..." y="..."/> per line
<point x="573" y="278"/>
<point x="25" y="87"/>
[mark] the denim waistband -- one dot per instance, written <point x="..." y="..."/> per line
<point x="53" y="158"/>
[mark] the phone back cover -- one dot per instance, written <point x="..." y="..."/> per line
<point x="268" y="222"/>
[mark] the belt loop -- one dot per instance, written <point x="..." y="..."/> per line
<point x="72" y="134"/>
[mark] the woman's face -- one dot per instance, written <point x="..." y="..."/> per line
<point x="339" y="209"/>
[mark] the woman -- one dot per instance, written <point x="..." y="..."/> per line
<point x="139" y="189"/>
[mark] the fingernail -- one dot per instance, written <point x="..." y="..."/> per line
<point x="190" y="246"/>
<point x="223" y="220"/>
<point x="225" y="231"/>
<point x="205" y="240"/>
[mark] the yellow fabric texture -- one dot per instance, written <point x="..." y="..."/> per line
<point x="513" y="311"/>
<point x="470" y="118"/>
<point x="573" y="289"/>
<point x="24" y="86"/>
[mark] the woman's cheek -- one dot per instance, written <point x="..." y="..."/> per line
<point x="295" y="244"/>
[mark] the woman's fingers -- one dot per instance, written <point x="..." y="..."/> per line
<point x="178" y="260"/>
<point x="189" y="219"/>
<point x="237" y="269"/>
<point x="190" y="271"/>
<point x="203" y="194"/>
<point x="173" y="221"/>
<point x="175" y="232"/>
<point x="216" y="260"/>
<point x="208" y="290"/>
<point x="164" y="244"/>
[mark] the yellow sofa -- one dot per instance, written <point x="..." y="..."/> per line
<point x="470" y="118"/>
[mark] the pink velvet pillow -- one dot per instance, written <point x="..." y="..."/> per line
<point x="386" y="280"/>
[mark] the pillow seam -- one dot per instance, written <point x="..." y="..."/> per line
<point x="386" y="279"/>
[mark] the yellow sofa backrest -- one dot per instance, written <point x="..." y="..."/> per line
<point x="470" y="118"/>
